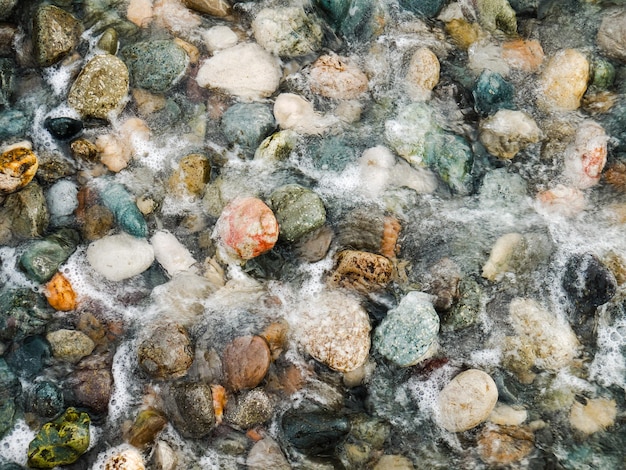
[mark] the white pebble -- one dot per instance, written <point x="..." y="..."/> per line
<point x="170" y="253"/>
<point x="121" y="256"/>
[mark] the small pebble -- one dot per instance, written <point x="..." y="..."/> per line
<point x="246" y="361"/>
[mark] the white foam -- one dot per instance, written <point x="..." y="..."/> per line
<point x="126" y="390"/>
<point x="14" y="446"/>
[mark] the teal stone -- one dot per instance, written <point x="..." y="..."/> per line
<point x="491" y="93"/>
<point x="23" y="312"/>
<point x="350" y="18"/>
<point x="334" y="153"/>
<point x="29" y="358"/>
<point x="122" y="204"/>
<point x="42" y="258"/>
<point x="247" y="124"/>
<point x="335" y="10"/>
<point x="413" y="133"/>
<point x="408" y="331"/>
<point x="451" y="158"/>
<point x="298" y="211"/>
<point x="45" y="399"/>
<point x="602" y="74"/>
<point x="60" y="442"/>
<point x="427" y="8"/>
<point x="11" y="466"/>
<point x="13" y="123"/>
<point x="155" y="66"/>
<point x="10" y="388"/>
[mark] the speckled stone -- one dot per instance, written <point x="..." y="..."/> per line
<point x="361" y="270"/>
<point x="70" y="345"/>
<point x="42" y="258"/>
<point x="18" y="166"/>
<point x="298" y="211"/>
<point x="247" y="124"/>
<point x="287" y="32"/>
<point x="167" y="353"/>
<point x="157" y="65"/>
<point x="56" y="33"/>
<point x="564" y="81"/>
<point x="250" y="409"/>
<point x="408" y="331"/>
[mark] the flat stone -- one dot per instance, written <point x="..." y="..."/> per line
<point x="314" y="432"/>
<point x="218" y="8"/>
<point x="55" y="33"/>
<point x="121" y="256"/>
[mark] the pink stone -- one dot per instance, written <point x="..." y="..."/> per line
<point x="247" y="228"/>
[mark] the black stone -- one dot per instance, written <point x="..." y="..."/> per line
<point x="45" y="399"/>
<point x="63" y="128"/>
<point x="315" y="433"/>
<point x="588" y="283"/>
<point x="29" y="358"/>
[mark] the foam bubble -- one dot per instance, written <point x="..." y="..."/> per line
<point x="126" y="390"/>
<point x="14" y="446"/>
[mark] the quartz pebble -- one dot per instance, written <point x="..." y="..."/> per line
<point x="594" y="416"/>
<point x="171" y="254"/>
<point x="219" y="37"/>
<point x="295" y="112"/>
<point x="523" y="54"/>
<point x="119" y="257"/>
<point x="564" y="81"/>
<point x="586" y="156"/>
<point x="287" y="32"/>
<point x="423" y="74"/>
<point x="507" y="132"/>
<point x="466" y="401"/>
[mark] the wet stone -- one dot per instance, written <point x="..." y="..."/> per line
<point x="361" y="271"/>
<point x="189" y="406"/>
<point x="10" y="388"/>
<point x="84" y="150"/>
<point x="265" y="454"/>
<point x="155" y="66"/>
<point x="18" y="166"/>
<point x="287" y="32"/>
<point x="45" y="399"/>
<point x="23" y="215"/>
<point x="122" y="204"/>
<point x="22" y="313"/>
<point x="497" y="15"/>
<point x="251" y="409"/>
<point x="246" y="361"/>
<point x="507" y="132"/>
<point x="337" y="77"/>
<point x="427" y="8"/>
<point x="42" y="258"/>
<point x="13" y="123"/>
<point x="6" y="8"/>
<point x="92" y="385"/>
<point x="247" y="124"/>
<point x="56" y="33"/>
<point x="98" y="221"/>
<point x="492" y="93"/>
<point x="147" y="425"/>
<point x="167" y="353"/>
<point x="611" y="37"/>
<point x="29" y="358"/>
<point x="70" y="345"/>
<point x="108" y="41"/>
<point x="218" y="8"/>
<point x="63" y="128"/>
<point x="504" y="445"/>
<point x="314" y="433"/>
<point x="298" y="211"/>
<point x="192" y="175"/>
<point x="564" y="81"/>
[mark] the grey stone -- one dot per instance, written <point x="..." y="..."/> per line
<point x="247" y="124"/>
<point x="298" y="211"/>
<point x="55" y="34"/>
<point x="155" y="66"/>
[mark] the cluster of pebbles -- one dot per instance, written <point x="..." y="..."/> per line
<point x="312" y="234"/>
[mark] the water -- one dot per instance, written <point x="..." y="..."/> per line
<point x="436" y="223"/>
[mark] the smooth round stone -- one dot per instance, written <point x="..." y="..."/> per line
<point x="277" y="147"/>
<point x="564" y="81"/>
<point x="603" y="74"/>
<point x="218" y="8"/>
<point x="507" y="132"/>
<point x="157" y="65"/>
<point x="467" y="400"/>
<point x="246" y="228"/>
<point x="60" y="442"/>
<point x="594" y="416"/>
<point x="122" y="204"/>
<point x="219" y="37"/>
<point x="427" y="8"/>
<point x="492" y="93"/>
<point x="62" y="198"/>
<point x="422" y="74"/>
<point x="42" y="258"/>
<point x="100" y="88"/>
<point x="295" y="112"/>
<point x="98" y="222"/>
<point x="23" y="313"/>
<point x="109" y="41"/>
<point x="335" y="331"/>
<point x="298" y="211"/>
<point x="523" y="54"/>
<point x="121" y="256"/>
<point x="265" y="454"/>
<point x="45" y="399"/>
<point x="55" y="34"/>
<point x="611" y="37"/>
<point x="167" y="353"/>
<point x="247" y="124"/>
<point x="70" y="345"/>
<point x="287" y="32"/>
<point x="18" y="166"/>
<point x="171" y="254"/>
<point x="586" y="156"/>
<point x="251" y="409"/>
<point x="314" y="432"/>
<point x="361" y="271"/>
<point x="337" y="77"/>
<point x="406" y="334"/>
<point x="189" y="406"/>
<point x="245" y="70"/>
<point x="63" y="128"/>
<point x="147" y="425"/>
<point x="191" y="176"/>
<point x="496" y="15"/>
<point x="246" y="361"/>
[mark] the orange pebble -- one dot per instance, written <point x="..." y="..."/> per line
<point x="219" y="402"/>
<point x="389" y="242"/>
<point x="60" y="294"/>
<point x="526" y="55"/>
<point x="254" y="435"/>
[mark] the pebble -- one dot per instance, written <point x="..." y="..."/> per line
<point x="422" y="74"/>
<point x="337" y="77"/>
<point x="217" y="8"/>
<point x="171" y="254"/>
<point x="126" y="459"/>
<point x="96" y="223"/>
<point x="467" y="400"/>
<point x="121" y="256"/>
<point x="55" y="34"/>
<point x="562" y="200"/>
<point x="595" y="415"/>
<point x="23" y="313"/>
<point x="109" y="41"/>
<point x="84" y="151"/>
<point x="18" y="165"/>
<point x="42" y="258"/>
<point x="45" y="399"/>
<point x="611" y="38"/>
<point x="6" y="8"/>
<point x="277" y="147"/>
<point x="504" y="256"/>
<point x="100" y="88"/>
<point x="245" y="362"/>
<point x="505" y="445"/>
<point x="287" y="32"/>
<point x="139" y="12"/>
<point x="146" y="427"/>
<point x="252" y="408"/>
<point x="508" y="132"/>
<point x="393" y="462"/>
<point x="361" y="271"/>
<point x="155" y="66"/>
<point x="62" y="200"/>
<point x="167" y="353"/>
<point x="295" y="112"/>
<point x="407" y="334"/>
<point x="586" y="156"/>
<point x="496" y="15"/>
<point x="315" y="432"/>
<point x="335" y="330"/>
<point x="506" y="415"/>
<point x="63" y="128"/>
<point x="70" y="345"/>
<point x="28" y="358"/>
<point x="298" y="210"/>
<point x="92" y="384"/>
<point x="564" y="81"/>
<point x="245" y="70"/>
<point x="219" y="37"/>
<point x="246" y="228"/>
<point x="247" y="125"/>
<point x="492" y="93"/>
<point x="189" y="407"/>
<point x="123" y="207"/>
<point x="523" y="54"/>
<point x="265" y="454"/>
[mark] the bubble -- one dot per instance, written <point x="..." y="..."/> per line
<point x="15" y="444"/>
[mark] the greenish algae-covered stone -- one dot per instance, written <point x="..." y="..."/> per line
<point x="491" y="93"/>
<point x="288" y="32"/>
<point x="350" y="18"/>
<point x="60" y="442"/>
<point x="334" y="153"/>
<point x="466" y="311"/>
<point x="314" y="433"/>
<point x="247" y="124"/>
<point x="451" y="157"/>
<point x="298" y="211"/>
<point x="45" y="399"/>
<point x="408" y="331"/>
<point x="602" y="73"/>
<point x="497" y="15"/>
<point x="157" y="65"/>
<point x="411" y="130"/>
<point x="122" y="204"/>
<point x="22" y="313"/>
<point x="42" y="258"/>
<point x="428" y="8"/>
<point x="100" y="88"/>
<point x="13" y="123"/>
<point x="277" y="147"/>
<point x="55" y="33"/>
<point x="109" y="41"/>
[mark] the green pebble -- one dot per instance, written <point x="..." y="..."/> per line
<point x="42" y="258"/>
<point x="298" y="211"/>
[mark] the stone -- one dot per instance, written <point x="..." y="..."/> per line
<point x="42" y="258"/>
<point x="10" y="388"/>
<point x="506" y="415"/>
<point x="189" y="407"/>
<point x="611" y="38"/>
<point x="63" y="128"/>
<point x="97" y="222"/>
<point x="505" y="445"/>
<point x="442" y="282"/>
<point x="171" y="254"/>
<point x="54" y="166"/>
<point x="244" y="70"/>
<point x="508" y="132"/>
<point x="295" y="112"/>
<point x="183" y="297"/>
<point x="451" y="157"/>
<point x="125" y="459"/>
<point x="602" y="73"/>
<point x="101" y="88"/>
<point x="22" y="313"/>
<point x="247" y="124"/>
<point x="219" y="37"/>
<point x="314" y="246"/>
<point x="586" y="156"/>
<point x="30" y="357"/>
<point x="492" y="93"/>
<point x="287" y="32"/>
<point x="146" y="427"/>
<point x="167" y="353"/>
<point x="246" y="228"/>
<point x="523" y="54"/>
<point x="13" y="123"/>
<point x="92" y="384"/>
<point x="564" y="81"/>
<point x="191" y="176"/>
<point x="426" y="8"/>
<point x="252" y="408"/>
<point x="60" y="293"/>
<point x="393" y="462"/>
<point x="467" y="309"/>
<point x="466" y="401"/>
<point x="595" y="415"/>
<point x="314" y="433"/>
<point x="408" y="332"/>
<point x="55" y="34"/>
<point x="45" y="399"/>
<point x="140" y="12"/>
<point x="496" y="15"/>
<point x="7" y="36"/>
<point x="70" y="345"/>
<point x="245" y="362"/>
<point x="265" y="454"/>
<point x="123" y="207"/>
<point x="18" y="165"/>
<point x="337" y="77"/>
<point x="218" y="8"/>
<point x="84" y="151"/>
<point x="504" y="256"/>
<point x="361" y="271"/>
<point x="6" y="8"/>
<point x="422" y="74"/>
<point x="156" y="65"/>
<point x="409" y="132"/>
<point x="298" y="211"/>
<point x="335" y="330"/>
<point x="562" y="200"/>
<point x="109" y="41"/>
<point x="121" y="256"/>
<point x="62" y="201"/>
<point x="277" y="147"/>
<point x="60" y="442"/>
<point x="463" y="33"/>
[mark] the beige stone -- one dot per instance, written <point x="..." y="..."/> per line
<point x="523" y="54"/>
<point x="597" y="415"/>
<point x="423" y="74"/>
<point x="508" y="132"/>
<point x="394" y="462"/>
<point x="564" y="81"/>
<point x="337" y="77"/>
<point x="139" y="12"/>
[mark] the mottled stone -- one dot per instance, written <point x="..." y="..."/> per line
<point x="156" y="65"/>
<point x="84" y="150"/>
<point x="497" y="15"/>
<point x="251" y="409"/>
<point x="361" y="270"/>
<point x="70" y="345"/>
<point x="492" y="93"/>
<point x="427" y="8"/>
<point x="45" y="399"/>
<point x="394" y="462"/>
<point x="523" y="54"/>
<point x="507" y="132"/>
<point x="22" y="313"/>
<point x="92" y="385"/>
<point x="6" y="8"/>
<point x="505" y="445"/>
<point x="122" y="204"/>
<point x="298" y="211"/>
<point x="287" y="32"/>
<point x="10" y="388"/>
<point x="246" y="361"/>
<point x="586" y="156"/>
<point x="337" y="77"/>
<point x="42" y="258"/>
<point x="189" y="406"/>
<point x="28" y="358"/>
<point x="100" y="88"/>
<point x="315" y="432"/>
<point x="407" y="333"/>
<point x="109" y="41"/>
<point x="422" y="74"/>
<point x="97" y="222"/>
<point x="13" y="123"/>
<point x="595" y="415"/>
<point x="125" y="459"/>
<point x="56" y="33"/>
<point x="18" y="166"/>
<point x="191" y="176"/>
<point x="147" y="425"/>
<point x="247" y="124"/>
<point x="167" y="353"/>
<point x="277" y="147"/>
<point x="611" y="37"/>
<point x="265" y="454"/>
<point x="564" y="81"/>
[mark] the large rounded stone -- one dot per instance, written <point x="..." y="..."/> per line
<point x="122" y="204"/>
<point x="6" y="8"/>
<point x="507" y="132"/>
<point x="315" y="433"/>
<point x="246" y="361"/>
<point x="18" y="166"/>
<point x="247" y="124"/>
<point x="121" y="256"/>
<point x="189" y="406"/>
<point x="24" y="214"/>
<point x="337" y="77"/>
<point x="287" y="32"/>
<point x="42" y="258"/>
<point x="55" y="33"/>
<point x="101" y="87"/>
<point x="298" y="210"/>
<point x="564" y="81"/>
<point x="167" y="353"/>
<point x="70" y="345"/>
<point x="219" y="8"/>
<point x="155" y="66"/>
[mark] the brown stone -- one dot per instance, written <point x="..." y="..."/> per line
<point x="193" y="173"/>
<point x="523" y="54"/>
<point x="219" y="8"/>
<point x="337" y="77"/>
<point x="361" y="270"/>
<point x="92" y="327"/>
<point x="7" y="34"/>
<point x="276" y="336"/>
<point x="17" y="167"/>
<point x="98" y="222"/>
<point x="84" y="150"/>
<point x="443" y="283"/>
<point x="92" y="382"/>
<point x="167" y="353"/>
<point x="246" y="361"/>
<point x="504" y="445"/>
<point x="148" y="424"/>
